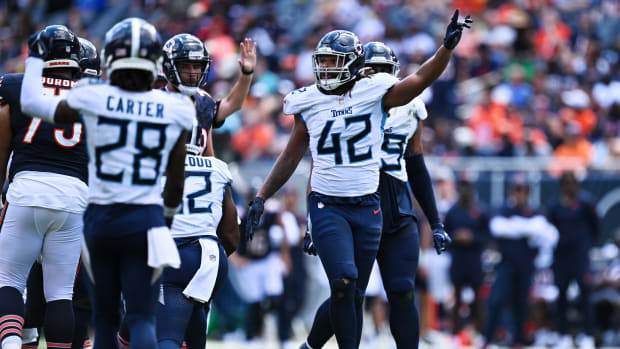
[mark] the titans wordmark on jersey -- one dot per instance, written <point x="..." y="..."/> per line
<point x="398" y="129"/>
<point x="206" y="179"/>
<point x="345" y="134"/>
<point x="129" y="138"/>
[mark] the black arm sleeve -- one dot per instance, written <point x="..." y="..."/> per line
<point x="422" y="186"/>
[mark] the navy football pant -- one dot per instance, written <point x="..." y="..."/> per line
<point x="179" y="317"/>
<point x="119" y="265"/>
<point x="398" y="261"/>
<point x="346" y="233"/>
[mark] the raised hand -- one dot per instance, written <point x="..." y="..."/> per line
<point x="247" y="62"/>
<point x="455" y="29"/>
<point x="38" y="46"/>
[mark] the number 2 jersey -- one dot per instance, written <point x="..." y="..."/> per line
<point x="345" y="134"/>
<point x="206" y="179"/>
<point x="129" y="138"/>
<point x="49" y="163"/>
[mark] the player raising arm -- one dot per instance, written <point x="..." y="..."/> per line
<point x="340" y="119"/>
<point x="133" y="134"/>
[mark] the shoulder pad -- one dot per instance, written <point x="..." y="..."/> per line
<point x="298" y="100"/>
<point x="419" y="109"/>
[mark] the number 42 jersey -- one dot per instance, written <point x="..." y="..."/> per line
<point x="129" y="138"/>
<point x="345" y="134"/>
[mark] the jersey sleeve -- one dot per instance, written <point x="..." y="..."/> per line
<point x="83" y="93"/>
<point x="9" y="89"/>
<point x="222" y="169"/>
<point x="419" y="109"/>
<point x="382" y="82"/>
<point x="295" y="102"/>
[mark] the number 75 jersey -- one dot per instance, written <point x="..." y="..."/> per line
<point x="345" y="134"/>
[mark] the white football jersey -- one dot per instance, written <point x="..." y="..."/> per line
<point x="345" y="134"/>
<point x="398" y="129"/>
<point x="206" y="179"/>
<point x="129" y="136"/>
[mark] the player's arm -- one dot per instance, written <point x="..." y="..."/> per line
<point x="209" y="148"/>
<point x="280" y="173"/>
<point x="228" y="229"/>
<point x="411" y="86"/>
<point x="287" y="161"/>
<point x="422" y="188"/>
<point x="33" y="101"/>
<point x="5" y="142"/>
<point x="175" y="178"/>
<point x="234" y="101"/>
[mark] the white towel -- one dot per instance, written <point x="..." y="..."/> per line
<point x="200" y="287"/>
<point x="162" y="251"/>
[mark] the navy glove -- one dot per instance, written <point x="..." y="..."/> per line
<point x="441" y="240"/>
<point x="38" y="46"/>
<point x="257" y="206"/>
<point x="455" y="29"/>
<point x="308" y="244"/>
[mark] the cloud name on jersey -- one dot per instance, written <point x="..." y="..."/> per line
<point x="129" y="106"/>
<point x="197" y="161"/>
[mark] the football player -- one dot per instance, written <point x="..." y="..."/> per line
<point x="186" y="67"/>
<point x="339" y="119"/>
<point x="134" y="134"/>
<point x="205" y="231"/>
<point x="46" y="198"/>
<point x="401" y="162"/>
<point x="89" y="63"/>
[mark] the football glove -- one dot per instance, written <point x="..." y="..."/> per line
<point x="257" y="206"/>
<point x="441" y="240"/>
<point x="38" y="46"/>
<point x="455" y="29"/>
<point x="309" y="247"/>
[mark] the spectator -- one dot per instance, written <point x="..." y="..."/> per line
<point x="468" y="225"/>
<point x="518" y="231"/>
<point x="577" y="223"/>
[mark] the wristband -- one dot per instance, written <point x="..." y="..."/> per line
<point x="247" y="73"/>
<point x="169" y="212"/>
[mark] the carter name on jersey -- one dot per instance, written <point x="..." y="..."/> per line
<point x="128" y="106"/>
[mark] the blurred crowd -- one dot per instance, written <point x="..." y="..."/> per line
<point x="532" y="78"/>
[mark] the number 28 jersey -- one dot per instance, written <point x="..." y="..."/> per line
<point x="345" y="134"/>
<point x="129" y="136"/>
<point x="206" y="179"/>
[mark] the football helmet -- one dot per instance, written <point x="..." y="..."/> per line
<point x="347" y="58"/>
<point x="378" y="53"/>
<point x="132" y="43"/>
<point x="64" y="50"/>
<point x="185" y="48"/>
<point x="196" y="140"/>
<point x="89" y="59"/>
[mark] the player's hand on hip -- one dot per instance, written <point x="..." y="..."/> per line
<point x="455" y="29"/>
<point x="257" y="206"/>
<point x="441" y="240"/>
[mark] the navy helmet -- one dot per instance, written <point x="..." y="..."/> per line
<point x="348" y="52"/>
<point x="65" y="47"/>
<point x="90" y="63"/>
<point x="185" y="48"/>
<point x="378" y="53"/>
<point x="132" y="43"/>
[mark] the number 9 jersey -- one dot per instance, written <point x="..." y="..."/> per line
<point x="206" y="179"/>
<point x="129" y="136"/>
<point x="345" y="134"/>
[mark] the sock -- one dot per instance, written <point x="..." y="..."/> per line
<point x="11" y="317"/>
<point x="58" y="324"/>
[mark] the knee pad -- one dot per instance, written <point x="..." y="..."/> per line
<point x="399" y="298"/>
<point x="341" y="287"/>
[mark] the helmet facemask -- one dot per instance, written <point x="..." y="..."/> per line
<point x="331" y="76"/>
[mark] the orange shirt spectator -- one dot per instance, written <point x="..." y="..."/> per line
<point x="253" y="141"/>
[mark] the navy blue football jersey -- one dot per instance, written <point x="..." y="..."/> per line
<point x="38" y="145"/>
